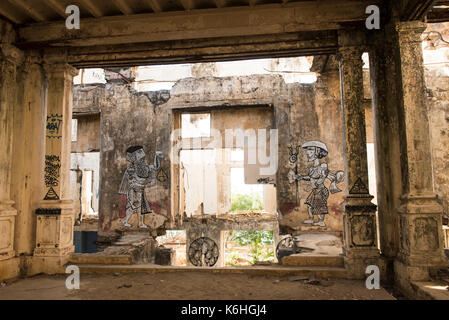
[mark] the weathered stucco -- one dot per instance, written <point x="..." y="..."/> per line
<point x="148" y="126"/>
<point x="301" y="112"/>
<point x="438" y="111"/>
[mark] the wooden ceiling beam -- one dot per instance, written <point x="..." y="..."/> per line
<point x="155" y="5"/>
<point x="29" y="10"/>
<point x="5" y="10"/>
<point x="416" y="9"/>
<point x="205" y="50"/>
<point x="220" y="3"/>
<point x="437" y="15"/>
<point x="188" y="4"/>
<point x="92" y="8"/>
<point x="56" y="6"/>
<point x="205" y="23"/>
<point x="123" y="6"/>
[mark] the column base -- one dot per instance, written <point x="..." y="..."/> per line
<point x="357" y="260"/>
<point x="48" y="265"/>
<point x="421" y="241"/>
<point x="360" y="248"/>
<point x="7" y="223"/>
<point x="421" y="232"/>
<point x="54" y="236"/>
<point x="405" y="275"/>
<point x="9" y="269"/>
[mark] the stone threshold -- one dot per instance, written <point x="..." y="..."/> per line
<point x="318" y="272"/>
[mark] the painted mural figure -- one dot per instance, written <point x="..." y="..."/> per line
<point x="138" y="176"/>
<point x="318" y="173"/>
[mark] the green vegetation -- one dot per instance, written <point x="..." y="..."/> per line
<point x="241" y="202"/>
<point x="257" y="241"/>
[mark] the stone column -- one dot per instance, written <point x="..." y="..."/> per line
<point x="420" y="215"/>
<point x="54" y="231"/>
<point x="386" y="143"/>
<point x="27" y="167"/>
<point x="10" y="58"/>
<point x="360" y="243"/>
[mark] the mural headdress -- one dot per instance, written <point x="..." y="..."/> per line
<point x="130" y="153"/>
<point x="315" y="143"/>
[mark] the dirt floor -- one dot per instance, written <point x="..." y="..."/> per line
<point x="188" y="285"/>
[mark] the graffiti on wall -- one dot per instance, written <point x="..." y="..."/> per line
<point x="52" y="166"/>
<point x="317" y="175"/>
<point x="137" y="177"/>
<point x="54" y="126"/>
<point x="293" y="159"/>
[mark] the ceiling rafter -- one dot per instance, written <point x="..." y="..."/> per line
<point x="5" y="10"/>
<point x="188" y="4"/>
<point x="155" y="5"/>
<point x="92" y="8"/>
<point x="57" y="7"/>
<point x="220" y="3"/>
<point x="29" y="10"/>
<point x="123" y="6"/>
<point x="416" y="9"/>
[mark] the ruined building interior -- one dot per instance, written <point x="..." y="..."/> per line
<point x="274" y="137"/>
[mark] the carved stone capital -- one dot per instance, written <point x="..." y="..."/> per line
<point x="11" y="54"/>
<point x="351" y="55"/>
<point x="30" y="61"/>
<point x="420" y="204"/>
<point x="60" y="70"/>
<point x="410" y="31"/>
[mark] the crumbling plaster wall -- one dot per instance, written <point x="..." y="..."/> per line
<point x="436" y="67"/>
<point x="88" y="133"/>
<point x="438" y="111"/>
<point x="127" y="118"/>
<point x="313" y="113"/>
<point x="302" y="112"/>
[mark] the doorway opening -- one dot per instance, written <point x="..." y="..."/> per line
<point x="176" y="241"/>
<point x="216" y="177"/>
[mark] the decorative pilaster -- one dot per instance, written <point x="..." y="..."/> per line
<point x="10" y="59"/>
<point x="420" y="215"/>
<point x="54" y="229"/>
<point x="360" y="243"/>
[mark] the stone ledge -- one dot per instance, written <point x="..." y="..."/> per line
<point x="436" y="290"/>
<point x="86" y="258"/>
<point x="313" y="261"/>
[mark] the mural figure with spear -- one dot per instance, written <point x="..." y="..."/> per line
<point x="317" y="175"/>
